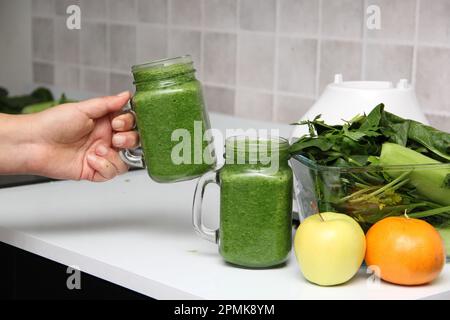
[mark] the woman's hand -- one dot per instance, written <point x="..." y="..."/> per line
<point x="78" y="141"/>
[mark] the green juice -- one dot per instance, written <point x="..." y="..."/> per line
<point x="255" y="215"/>
<point x="167" y="98"/>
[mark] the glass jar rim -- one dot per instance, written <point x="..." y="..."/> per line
<point x="246" y="143"/>
<point x="186" y="59"/>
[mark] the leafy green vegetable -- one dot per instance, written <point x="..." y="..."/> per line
<point x="3" y="92"/>
<point x="38" y="107"/>
<point x="14" y="105"/>
<point x="437" y="142"/>
<point x="399" y="130"/>
<point x="377" y="140"/>
<point x="364" y="135"/>
<point x="428" y="182"/>
<point x="446" y="182"/>
<point x="445" y="234"/>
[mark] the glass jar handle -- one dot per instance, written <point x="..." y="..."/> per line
<point x="132" y="157"/>
<point x="197" y="217"/>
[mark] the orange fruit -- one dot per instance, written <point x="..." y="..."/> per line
<point x="405" y="251"/>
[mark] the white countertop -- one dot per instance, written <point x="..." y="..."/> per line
<point x="138" y="234"/>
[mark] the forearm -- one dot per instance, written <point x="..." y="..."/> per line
<point x="16" y="144"/>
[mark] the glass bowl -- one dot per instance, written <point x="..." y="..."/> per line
<point x="371" y="193"/>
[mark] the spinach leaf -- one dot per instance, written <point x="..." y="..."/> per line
<point x="405" y="132"/>
<point x="372" y="121"/>
<point x="365" y="134"/>
<point x="437" y="142"/>
<point x="321" y="143"/>
<point x="446" y="183"/>
<point x="354" y="135"/>
<point x="15" y="104"/>
<point x="370" y="195"/>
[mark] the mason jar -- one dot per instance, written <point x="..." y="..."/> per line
<point x="256" y="184"/>
<point x="171" y="120"/>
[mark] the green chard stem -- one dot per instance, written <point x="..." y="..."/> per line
<point x="429" y="213"/>
<point x="384" y="188"/>
<point x="357" y="193"/>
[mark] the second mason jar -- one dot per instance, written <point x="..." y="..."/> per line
<point x="255" y="202"/>
<point x="171" y="120"/>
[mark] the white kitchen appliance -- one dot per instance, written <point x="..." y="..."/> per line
<point x="342" y="100"/>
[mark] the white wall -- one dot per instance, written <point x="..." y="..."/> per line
<point x="15" y="46"/>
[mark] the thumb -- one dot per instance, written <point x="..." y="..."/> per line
<point x="99" y="107"/>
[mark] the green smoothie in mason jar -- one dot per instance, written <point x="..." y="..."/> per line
<point x="169" y="109"/>
<point x="255" y="203"/>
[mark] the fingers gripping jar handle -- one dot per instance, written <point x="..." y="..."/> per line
<point x="132" y="157"/>
<point x="197" y="216"/>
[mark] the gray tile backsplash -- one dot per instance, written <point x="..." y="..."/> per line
<point x="297" y="65"/>
<point x="94" y="9"/>
<point x="221" y="14"/>
<point x="43" y="73"/>
<point x="289" y="109"/>
<point x="433" y="78"/>
<point x="186" y="13"/>
<point x="94" y="44"/>
<point x="343" y="18"/>
<point x="61" y="6"/>
<point x="68" y="76"/>
<point x="262" y="59"/>
<point x="122" y="46"/>
<point x="120" y="82"/>
<point x="43" y="38"/>
<point x="299" y="16"/>
<point x="219" y="58"/>
<point x="219" y="99"/>
<point x="43" y="7"/>
<point x="434" y="21"/>
<point x="183" y="42"/>
<point x="257" y="15"/>
<point x="94" y="81"/>
<point x="251" y="102"/>
<point x="339" y="57"/>
<point x="151" y="43"/>
<point x="152" y="11"/>
<point x="122" y="10"/>
<point x="398" y="19"/>
<point x="439" y="121"/>
<point x="388" y="62"/>
<point x="67" y="43"/>
<point x="256" y="60"/>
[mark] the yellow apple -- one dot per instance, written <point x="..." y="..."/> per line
<point x="330" y="248"/>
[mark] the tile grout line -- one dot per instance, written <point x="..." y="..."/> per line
<point x="238" y="47"/>
<point x="263" y="91"/>
<point x="81" y="65"/>
<point x="277" y="34"/>
<point x="275" y="61"/>
<point x="202" y="38"/>
<point x="416" y="41"/>
<point x="169" y="27"/>
<point x="165" y="25"/>
<point x="80" y="50"/>
<point x="88" y="67"/>
<point x="208" y="83"/>
<point x="136" y="35"/>
<point x="282" y="34"/>
<point x="441" y="113"/>
<point x="108" y="46"/>
<point x="319" y="51"/>
<point x="364" y="41"/>
<point x="54" y="19"/>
